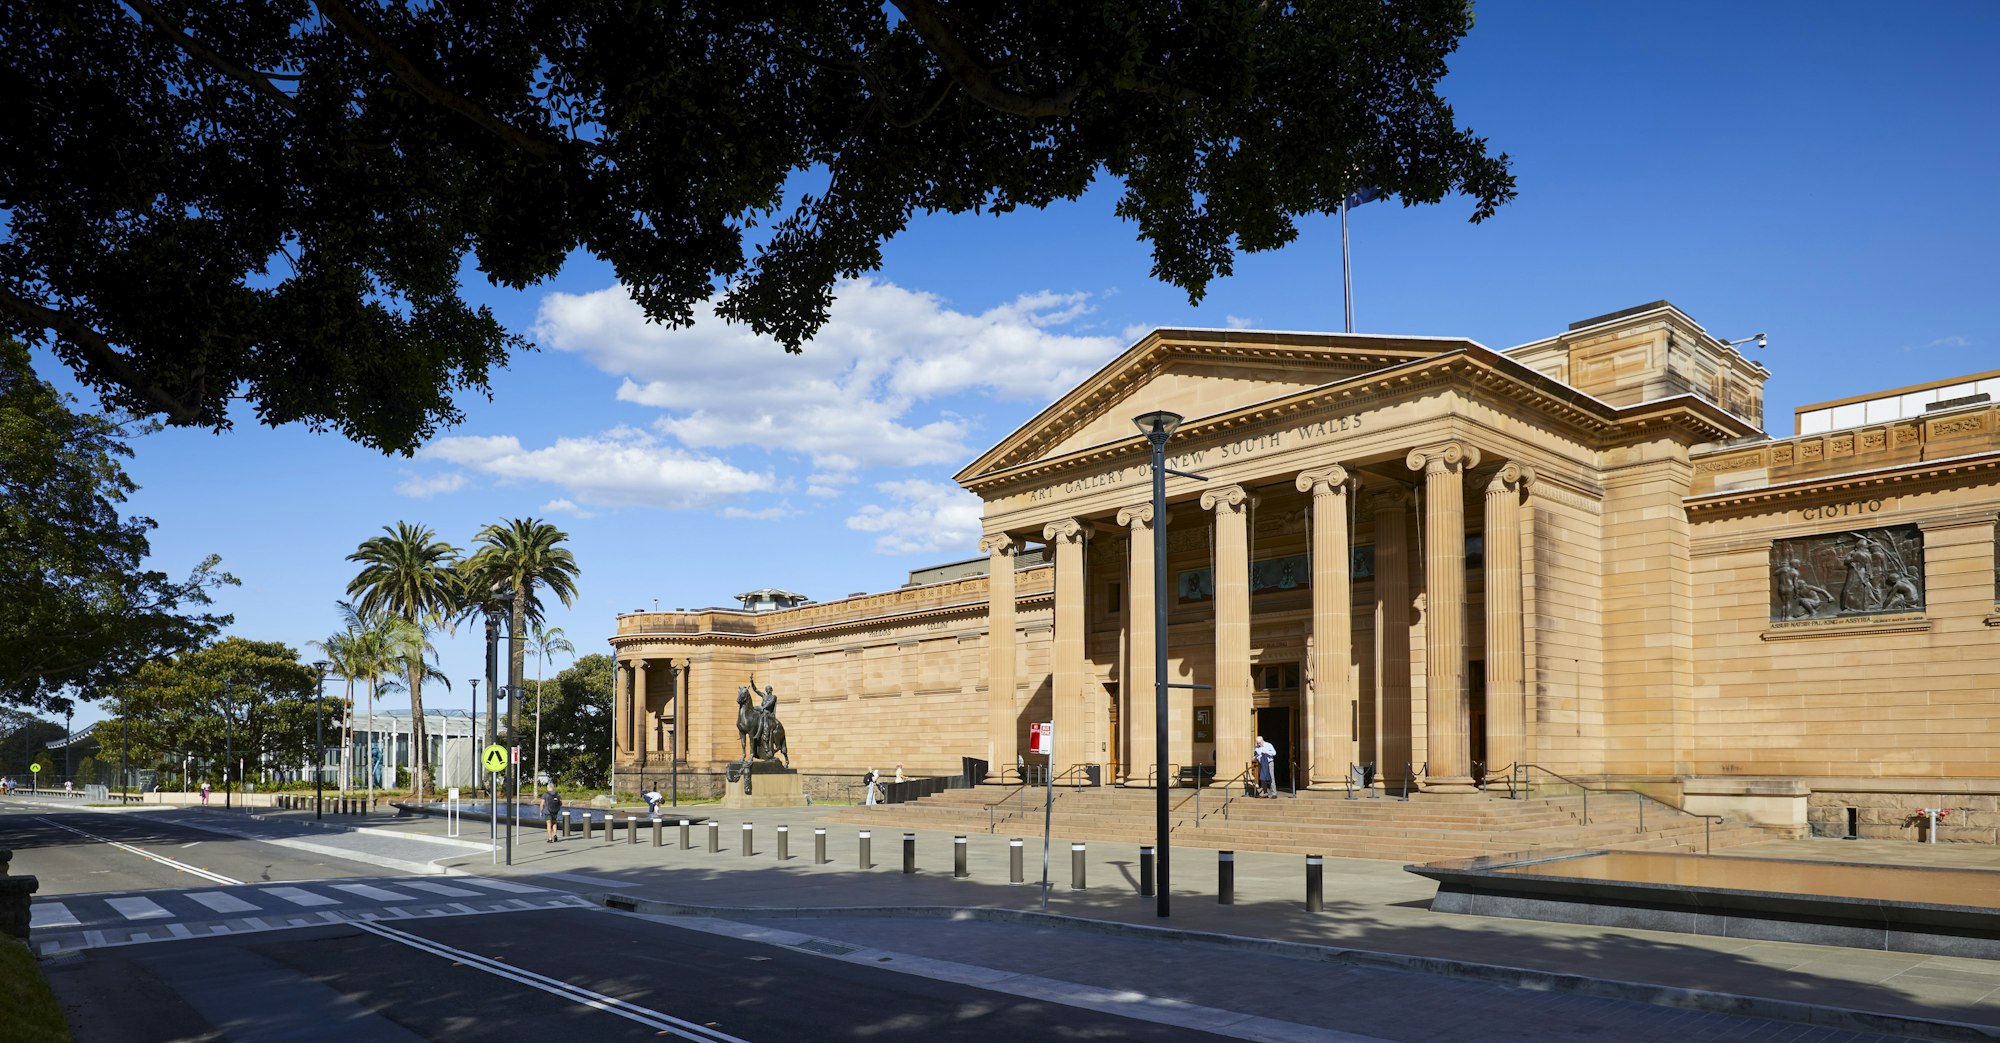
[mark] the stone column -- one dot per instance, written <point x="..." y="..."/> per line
<point x="1505" y="696"/>
<point x="1003" y="729"/>
<point x="1067" y="707"/>
<point x="1447" y="715"/>
<point x="1139" y="685"/>
<point x="621" y="705"/>
<point x="635" y="715"/>
<point x="1233" y="725"/>
<point x="1325" y="713"/>
<point x="1392" y="635"/>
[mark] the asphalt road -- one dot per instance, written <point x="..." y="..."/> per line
<point x="74" y="851"/>
<point x="565" y="974"/>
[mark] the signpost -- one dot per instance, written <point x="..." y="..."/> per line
<point x="493" y="759"/>
<point x="451" y="812"/>
<point x="1042" y="739"/>
<point x="35" y="769"/>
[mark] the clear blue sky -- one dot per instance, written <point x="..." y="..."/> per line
<point x="1823" y="173"/>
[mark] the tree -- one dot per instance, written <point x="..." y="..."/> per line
<point x="406" y="573"/>
<point x="544" y="645"/>
<point x="79" y="606"/>
<point x="576" y="723"/>
<point x="273" y="201"/>
<point x="23" y="737"/>
<point x="523" y="557"/>
<point x="179" y="706"/>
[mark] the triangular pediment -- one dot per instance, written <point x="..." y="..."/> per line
<point x="1196" y="373"/>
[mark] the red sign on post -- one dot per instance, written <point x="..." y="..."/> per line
<point x="1042" y="737"/>
<point x="516" y="755"/>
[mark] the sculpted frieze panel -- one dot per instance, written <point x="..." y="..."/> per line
<point x="1853" y="573"/>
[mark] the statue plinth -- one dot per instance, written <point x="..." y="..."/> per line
<point x="763" y="784"/>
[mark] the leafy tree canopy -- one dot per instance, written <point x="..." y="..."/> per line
<point x="79" y="608"/>
<point x="576" y="722"/>
<point x="178" y="706"/>
<point x="274" y="199"/>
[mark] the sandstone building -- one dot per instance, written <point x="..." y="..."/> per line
<point x="1440" y="560"/>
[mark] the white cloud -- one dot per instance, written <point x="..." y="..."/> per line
<point x="923" y="516"/>
<point x="561" y="505"/>
<point x="1953" y="341"/>
<point x="778" y="510"/>
<point x="622" y="466"/>
<point x="859" y="395"/>
<point x="423" y="487"/>
<point x="1238" y="322"/>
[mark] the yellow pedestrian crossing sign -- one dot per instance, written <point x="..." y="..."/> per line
<point x="495" y="758"/>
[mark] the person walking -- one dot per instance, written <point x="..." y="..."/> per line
<point x="1267" y="757"/>
<point x="551" y="810"/>
<point x="868" y="786"/>
<point x="204" y="791"/>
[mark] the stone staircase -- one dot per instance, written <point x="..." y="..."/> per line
<point x="1426" y="828"/>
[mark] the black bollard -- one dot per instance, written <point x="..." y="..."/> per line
<point x="569" y="824"/>
<point x="784" y="843"/>
<point x="686" y="841"/>
<point x="909" y="852"/>
<point x="714" y="837"/>
<point x="1146" y="869"/>
<point x="746" y="838"/>
<point x="866" y="862"/>
<point x="1014" y="861"/>
<point x="819" y="845"/>
<point x="958" y="858"/>
<point x="1225" y="878"/>
<point x="589" y="824"/>
<point x="610" y="828"/>
<point x="1076" y="866"/>
<point x="1314" y="896"/>
<point x="657" y="838"/>
<point x="631" y="829"/>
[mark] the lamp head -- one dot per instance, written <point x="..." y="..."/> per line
<point x="1159" y="424"/>
<point x="320" y="666"/>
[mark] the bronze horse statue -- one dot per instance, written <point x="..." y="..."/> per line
<point x="762" y="733"/>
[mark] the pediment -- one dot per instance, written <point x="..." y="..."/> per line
<point x="1196" y="373"/>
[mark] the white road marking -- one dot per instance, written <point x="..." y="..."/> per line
<point x="379" y="894"/>
<point x="222" y="903"/>
<point x="51" y="914"/>
<point x="137" y="908"/>
<point x="161" y="859"/>
<point x="438" y="889"/>
<point x="501" y="885"/>
<point x="666" y="1023"/>
<point x="299" y="896"/>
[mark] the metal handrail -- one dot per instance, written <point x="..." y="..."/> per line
<point x="1020" y="793"/>
<point x="1707" y="821"/>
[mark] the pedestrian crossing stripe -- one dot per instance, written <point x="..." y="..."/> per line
<point x="223" y="903"/>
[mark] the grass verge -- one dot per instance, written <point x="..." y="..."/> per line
<point x="31" y="1006"/>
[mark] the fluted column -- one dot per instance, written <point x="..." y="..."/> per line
<point x="1331" y="687"/>
<point x="1392" y="635"/>
<point x="1233" y="712"/>
<point x="1140" y="686"/>
<point x="635" y="712"/>
<point x="1003" y="729"/>
<point x="1506" y="698"/>
<point x="1447" y="715"/>
<point x="1068" y="711"/>
<point x="621" y="710"/>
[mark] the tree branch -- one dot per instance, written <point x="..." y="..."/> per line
<point x="98" y="350"/>
<point x="432" y="91"/>
<point x="210" y="58"/>
<point x="971" y="73"/>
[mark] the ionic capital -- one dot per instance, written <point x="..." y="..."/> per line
<point x="1512" y="477"/>
<point x="1445" y="456"/>
<point x="1394" y="498"/>
<point x="1227" y="499"/>
<point x="1326" y="481"/>
<point x="1068" y="530"/>
<point x="1000" y="543"/>
<point x="1137" y="516"/>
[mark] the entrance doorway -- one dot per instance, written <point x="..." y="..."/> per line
<point x="1274" y="723"/>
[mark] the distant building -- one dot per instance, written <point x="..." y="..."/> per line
<point x="1582" y="554"/>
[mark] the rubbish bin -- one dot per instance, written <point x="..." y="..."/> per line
<point x="1093" y="774"/>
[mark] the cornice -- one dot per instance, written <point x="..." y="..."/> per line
<point x="958" y="609"/>
<point x="1805" y="488"/>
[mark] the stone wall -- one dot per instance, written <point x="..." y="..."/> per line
<point x="1973" y="818"/>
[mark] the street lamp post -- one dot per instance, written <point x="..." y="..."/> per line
<point x="228" y="736"/>
<point x="475" y="735"/>
<point x="69" y="726"/>
<point x="513" y="780"/>
<point x="1158" y="427"/>
<point x="319" y="740"/>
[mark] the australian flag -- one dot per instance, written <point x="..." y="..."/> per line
<point x="1360" y="196"/>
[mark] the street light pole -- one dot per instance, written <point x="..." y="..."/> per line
<point x="513" y="778"/>
<point x="319" y="740"/>
<point x="475" y="735"/>
<point x="228" y="737"/>
<point x="1158" y="427"/>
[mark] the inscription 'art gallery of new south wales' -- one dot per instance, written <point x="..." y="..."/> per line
<point x="1427" y="557"/>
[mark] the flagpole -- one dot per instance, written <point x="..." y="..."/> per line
<point x="1346" y="276"/>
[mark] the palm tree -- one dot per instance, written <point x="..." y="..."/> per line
<point x="475" y="594"/>
<point x="342" y="653"/>
<point x="544" y="644"/>
<point x="406" y="574"/>
<point x="524" y="555"/>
